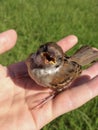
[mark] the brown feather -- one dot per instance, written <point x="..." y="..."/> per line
<point x="85" y="55"/>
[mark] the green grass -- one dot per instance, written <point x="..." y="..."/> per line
<point x="39" y="21"/>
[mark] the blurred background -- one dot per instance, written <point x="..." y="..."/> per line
<point x="40" y="21"/>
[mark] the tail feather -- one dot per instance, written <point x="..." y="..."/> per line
<point x="85" y="55"/>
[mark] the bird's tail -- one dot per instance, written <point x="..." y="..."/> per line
<point x="85" y="55"/>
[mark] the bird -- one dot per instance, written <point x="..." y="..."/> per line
<point x="50" y="67"/>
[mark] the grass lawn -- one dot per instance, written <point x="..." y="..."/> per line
<point x="39" y="21"/>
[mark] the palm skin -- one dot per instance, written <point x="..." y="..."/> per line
<point x="18" y="93"/>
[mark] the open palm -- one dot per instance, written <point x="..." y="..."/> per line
<point x="19" y="94"/>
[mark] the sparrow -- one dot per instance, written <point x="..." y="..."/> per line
<point x="50" y="67"/>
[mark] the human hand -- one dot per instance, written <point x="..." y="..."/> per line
<point x="18" y="93"/>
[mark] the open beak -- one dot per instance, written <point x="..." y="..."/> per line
<point x="48" y="58"/>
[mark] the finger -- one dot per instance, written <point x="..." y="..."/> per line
<point x="91" y="71"/>
<point x="7" y="40"/>
<point x="75" y="97"/>
<point x="68" y="42"/>
<point x="3" y="71"/>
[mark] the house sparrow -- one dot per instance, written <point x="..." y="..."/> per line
<point x="50" y="67"/>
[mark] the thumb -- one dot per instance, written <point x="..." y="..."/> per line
<point x="7" y="40"/>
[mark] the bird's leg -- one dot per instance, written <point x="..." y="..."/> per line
<point x="45" y="100"/>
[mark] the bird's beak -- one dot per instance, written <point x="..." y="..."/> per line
<point x="52" y="62"/>
<point x="47" y="58"/>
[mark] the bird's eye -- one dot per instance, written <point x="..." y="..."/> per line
<point x="60" y="58"/>
<point x="43" y="48"/>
